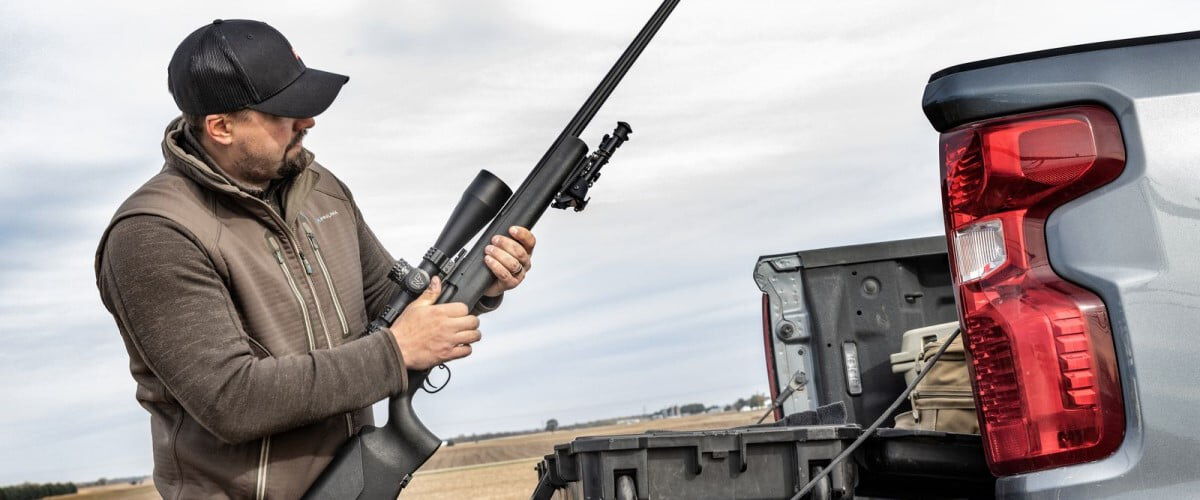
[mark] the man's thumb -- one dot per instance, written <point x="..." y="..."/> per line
<point x="431" y="292"/>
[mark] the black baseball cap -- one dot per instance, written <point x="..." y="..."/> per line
<point x="234" y="64"/>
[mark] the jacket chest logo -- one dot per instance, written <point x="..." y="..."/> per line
<point x="326" y="217"/>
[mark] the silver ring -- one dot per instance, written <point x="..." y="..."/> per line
<point x="520" y="268"/>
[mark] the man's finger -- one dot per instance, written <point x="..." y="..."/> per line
<point x="468" y="336"/>
<point x="469" y="322"/>
<point x="431" y="292"/>
<point x="509" y="261"/>
<point x="502" y="273"/>
<point x="524" y="236"/>
<point x="511" y="247"/>
<point x="459" y="351"/>
<point x="450" y="310"/>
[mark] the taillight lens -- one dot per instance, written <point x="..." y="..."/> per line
<point x="1041" y="350"/>
<point x="769" y="350"/>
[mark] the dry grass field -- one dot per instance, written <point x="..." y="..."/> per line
<point x="503" y="468"/>
<point x="115" y="491"/>
<point x="542" y="443"/>
<point x="512" y="479"/>
<point x="495" y="469"/>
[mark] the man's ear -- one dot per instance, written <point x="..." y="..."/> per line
<point x="219" y="128"/>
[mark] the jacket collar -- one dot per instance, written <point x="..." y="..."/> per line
<point x="203" y="170"/>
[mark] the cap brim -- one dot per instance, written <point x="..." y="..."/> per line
<point x="308" y="96"/>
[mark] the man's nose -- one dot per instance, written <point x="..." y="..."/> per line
<point x="305" y="123"/>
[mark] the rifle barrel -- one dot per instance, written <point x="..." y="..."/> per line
<point x="584" y="116"/>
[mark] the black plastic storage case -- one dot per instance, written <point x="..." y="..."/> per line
<point x="746" y="463"/>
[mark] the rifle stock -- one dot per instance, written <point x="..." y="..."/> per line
<point x="378" y="462"/>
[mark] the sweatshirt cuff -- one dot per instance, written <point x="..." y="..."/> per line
<point x="398" y="358"/>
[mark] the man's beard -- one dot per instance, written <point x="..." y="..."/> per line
<point x="265" y="169"/>
<point x="289" y="167"/>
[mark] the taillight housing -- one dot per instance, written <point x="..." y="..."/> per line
<point x="1042" y="359"/>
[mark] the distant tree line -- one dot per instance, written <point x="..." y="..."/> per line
<point x="31" y="491"/>
<point x="755" y="401"/>
<point x="552" y="425"/>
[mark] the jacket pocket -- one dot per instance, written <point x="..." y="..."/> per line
<point x="277" y="251"/>
<point x="316" y="249"/>
<point x="257" y="347"/>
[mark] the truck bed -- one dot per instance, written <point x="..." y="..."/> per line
<point x="836" y="315"/>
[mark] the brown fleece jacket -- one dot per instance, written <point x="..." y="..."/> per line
<point x="244" y="324"/>
<point x="175" y="307"/>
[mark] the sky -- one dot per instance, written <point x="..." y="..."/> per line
<point x="759" y="128"/>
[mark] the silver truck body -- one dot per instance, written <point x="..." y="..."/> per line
<point x="1134" y="242"/>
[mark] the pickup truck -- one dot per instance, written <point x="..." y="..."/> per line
<point x="1072" y="210"/>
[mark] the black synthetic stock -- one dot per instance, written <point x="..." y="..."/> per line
<point x="372" y="464"/>
<point x="379" y="461"/>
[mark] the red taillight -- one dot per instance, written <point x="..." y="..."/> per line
<point x="769" y="349"/>
<point x="1042" y="358"/>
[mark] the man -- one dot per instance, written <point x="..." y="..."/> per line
<point x="242" y="277"/>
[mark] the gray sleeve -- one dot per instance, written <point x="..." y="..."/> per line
<point x="170" y="301"/>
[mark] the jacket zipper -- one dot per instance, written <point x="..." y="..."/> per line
<point x="337" y="304"/>
<point x="264" y="459"/>
<point x="328" y="343"/>
<point x="278" y="252"/>
<point x="308" y="271"/>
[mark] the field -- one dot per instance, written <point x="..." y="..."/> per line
<point x="488" y="470"/>
<point x="115" y="491"/>
<point x="503" y="468"/>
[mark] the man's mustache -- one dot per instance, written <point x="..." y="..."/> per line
<point x="296" y="140"/>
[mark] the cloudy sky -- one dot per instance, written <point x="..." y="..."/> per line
<point x="760" y="127"/>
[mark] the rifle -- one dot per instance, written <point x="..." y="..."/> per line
<point x="378" y="462"/>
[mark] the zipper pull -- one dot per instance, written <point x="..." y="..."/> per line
<point x="312" y="238"/>
<point x="275" y="250"/>
<point x="307" y="267"/>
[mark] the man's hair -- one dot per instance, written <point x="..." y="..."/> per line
<point x="195" y="123"/>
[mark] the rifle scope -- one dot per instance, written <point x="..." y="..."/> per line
<point x="481" y="201"/>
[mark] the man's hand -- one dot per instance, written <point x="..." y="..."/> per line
<point x="430" y="334"/>
<point x="509" y="259"/>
